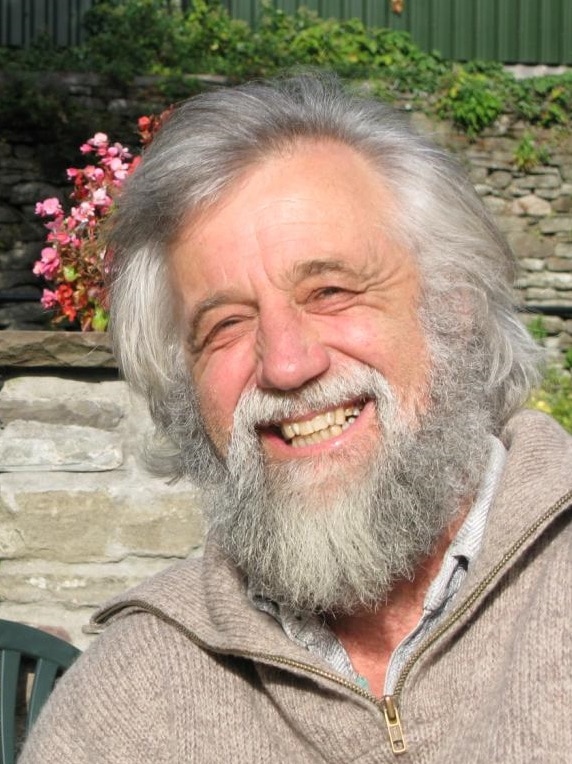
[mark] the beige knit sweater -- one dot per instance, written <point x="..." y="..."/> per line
<point x="188" y="671"/>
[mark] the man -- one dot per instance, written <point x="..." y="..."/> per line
<point x="318" y="310"/>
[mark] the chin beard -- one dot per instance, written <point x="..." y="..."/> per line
<point x="334" y="534"/>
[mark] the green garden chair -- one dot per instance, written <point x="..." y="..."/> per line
<point x="28" y="656"/>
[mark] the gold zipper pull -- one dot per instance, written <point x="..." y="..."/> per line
<point x="394" y="727"/>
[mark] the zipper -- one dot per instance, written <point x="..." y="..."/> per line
<point x="476" y="593"/>
<point x="389" y="704"/>
<point x="385" y="705"/>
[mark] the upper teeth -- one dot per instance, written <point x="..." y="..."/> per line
<point x="322" y="426"/>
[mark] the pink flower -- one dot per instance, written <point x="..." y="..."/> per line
<point x="100" y="197"/>
<point x="49" y="263"/>
<point x="85" y="148"/>
<point x="72" y="172"/>
<point x="49" y="299"/>
<point x="49" y="206"/>
<point x="82" y="213"/>
<point x="95" y="174"/>
<point x="99" y="139"/>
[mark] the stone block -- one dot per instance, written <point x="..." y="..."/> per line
<point x="526" y="244"/>
<point x="508" y="224"/>
<point x="564" y="341"/>
<point x="15" y="313"/>
<point x="90" y="518"/>
<point x="57" y="400"/>
<point x="8" y="214"/>
<point x="39" y="447"/>
<point x="562" y="204"/>
<point x="16" y="278"/>
<point x="540" y="295"/>
<point x="478" y="174"/>
<point x="73" y="585"/>
<point x="32" y="192"/>
<point x="548" y="194"/>
<point x="56" y="349"/>
<point x="564" y="249"/>
<point x="558" y="264"/>
<point x="556" y="224"/>
<point x="499" y="179"/>
<point x="495" y="204"/>
<point x="482" y="189"/>
<point x="21" y="254"/>
<point x="545" y="181"/>
<point x="560" y="281"/>
<point x="527" y="263"/>
<point x="530" y="205"/>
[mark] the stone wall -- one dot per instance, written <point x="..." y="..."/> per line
<point x="80" y="519"/>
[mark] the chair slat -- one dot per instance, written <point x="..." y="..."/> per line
<point x="9" y="668"/>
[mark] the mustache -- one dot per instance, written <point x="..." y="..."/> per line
<point x="258" y="408"/>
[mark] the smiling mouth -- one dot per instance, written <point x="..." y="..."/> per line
<point x="328" y="424"/>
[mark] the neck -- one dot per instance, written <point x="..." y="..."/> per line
<point x="370" y="636"/>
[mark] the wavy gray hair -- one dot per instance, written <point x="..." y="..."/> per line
<point x="466" y="266"/>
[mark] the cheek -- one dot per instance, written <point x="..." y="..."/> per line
<point x="219" y="382"/>
<point x="396" y="349"/>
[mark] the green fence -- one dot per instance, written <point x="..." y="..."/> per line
<point x="512" y="31"/>
<point x="22" y="21"/>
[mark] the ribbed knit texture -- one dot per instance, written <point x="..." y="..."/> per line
<point x="495" y="687"/>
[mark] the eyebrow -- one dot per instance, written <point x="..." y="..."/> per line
<point x="203" y="307"/>
<point x="303" y="270"/>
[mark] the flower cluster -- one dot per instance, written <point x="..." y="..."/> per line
<point x="74" y="262"/>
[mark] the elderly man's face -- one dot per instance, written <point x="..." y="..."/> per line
<point x="290" y="278"/>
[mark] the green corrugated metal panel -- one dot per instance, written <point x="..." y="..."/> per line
<point x="21" y="21"/>
<point x="513" y="31"/>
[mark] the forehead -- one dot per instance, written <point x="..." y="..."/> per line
<point x="319" y="200"/>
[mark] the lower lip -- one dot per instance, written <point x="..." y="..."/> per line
<point x="278" y="448"/>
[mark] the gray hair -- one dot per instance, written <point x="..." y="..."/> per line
<point x="467" y="268"/>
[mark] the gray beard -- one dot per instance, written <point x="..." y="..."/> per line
<point x="334" y="534"/>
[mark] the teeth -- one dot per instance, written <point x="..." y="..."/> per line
<point x="321" y="427"/>
<point x="340" y="417"/>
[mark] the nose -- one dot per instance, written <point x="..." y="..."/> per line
<point x="289" y="352"/>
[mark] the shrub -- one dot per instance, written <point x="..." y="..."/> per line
<point x="469" y="101"/>
<point x="554" y="397"/>
<point x="529" y="154"/>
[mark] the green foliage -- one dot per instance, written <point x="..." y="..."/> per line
<point x="546" y="101"/>
<point x="469" y="101"/>
<point x="528" y="154"/>
<point x="537" y="328"/>
<point x="131" y="37"/>
<point x="554" y="397"/>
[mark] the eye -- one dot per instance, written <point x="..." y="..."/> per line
<point x="330" y="291"/>
<point x="225" y="330"/>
